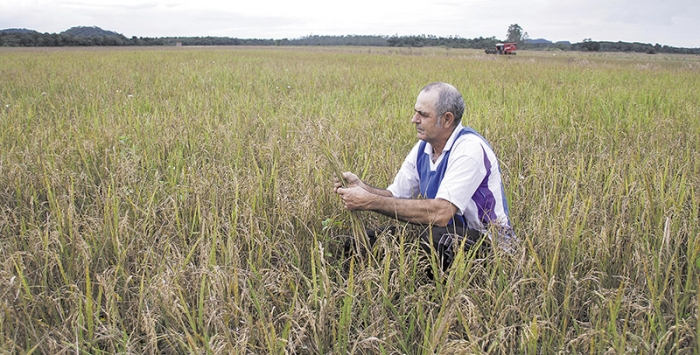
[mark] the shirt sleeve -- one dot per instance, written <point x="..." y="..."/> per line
<point x="406" y="184"/>
<point x="464" y="174"/>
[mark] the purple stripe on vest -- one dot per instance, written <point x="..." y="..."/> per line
<point x="483" y="198"/>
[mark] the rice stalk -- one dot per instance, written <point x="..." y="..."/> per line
<point x="358" y="231"/>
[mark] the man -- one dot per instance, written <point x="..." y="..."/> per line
<point x="450" y="181"/>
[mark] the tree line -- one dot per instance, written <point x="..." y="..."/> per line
<point x="36" y="39"/>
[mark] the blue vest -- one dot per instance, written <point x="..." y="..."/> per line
<point x="430" y="180"/>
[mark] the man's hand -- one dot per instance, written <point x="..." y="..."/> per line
<point x="355" y="198"/>
<point x="351" y="180"/>
<point x="354" y="194"/>
<point x="358" y="196"/>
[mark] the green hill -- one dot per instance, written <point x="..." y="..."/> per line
<point x="17" y="30"/>
<point x="84" y="31"/>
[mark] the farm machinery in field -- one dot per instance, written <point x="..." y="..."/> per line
<point x="502" y="48"/>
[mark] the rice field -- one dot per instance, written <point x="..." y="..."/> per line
<point x="179" y="200"/>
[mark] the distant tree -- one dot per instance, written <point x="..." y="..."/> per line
<point x="524" y="39"/>
<point x="589" y="45"/>
<point x="26" y="40"/>
<point x="515" y="33"/>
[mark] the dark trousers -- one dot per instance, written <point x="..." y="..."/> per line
<point x="444" y="241"/>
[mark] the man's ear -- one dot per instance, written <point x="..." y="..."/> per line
<point x="449" y="119"/>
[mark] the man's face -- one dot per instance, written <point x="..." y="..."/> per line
<point x="428" y="125"/>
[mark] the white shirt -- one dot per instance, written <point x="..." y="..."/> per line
<point x="466" y="171"/>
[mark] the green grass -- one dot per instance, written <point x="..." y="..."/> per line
<point x="180" y="201"/>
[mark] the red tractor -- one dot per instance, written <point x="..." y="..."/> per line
<point x="503" y="48"/>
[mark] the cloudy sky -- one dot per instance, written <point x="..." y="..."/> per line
<point x="667" y="22"/>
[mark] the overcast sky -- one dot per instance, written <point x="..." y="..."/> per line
<point x="667" y="22"/>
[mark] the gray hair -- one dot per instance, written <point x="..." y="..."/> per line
<point x="449" y="99"/>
